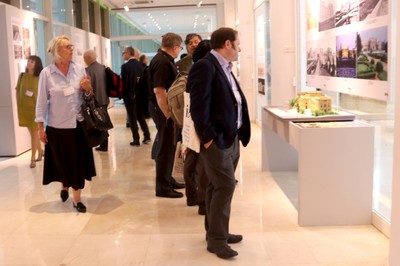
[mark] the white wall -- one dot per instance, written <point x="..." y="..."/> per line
<point x="283" y="56"/>
<point x="245" y="72"/>
<point x="14" y="140"/>
<point x="394" y="254"/>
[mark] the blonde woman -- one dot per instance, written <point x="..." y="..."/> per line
<point x="62" y="88"/>
<point x="27" y="90"/>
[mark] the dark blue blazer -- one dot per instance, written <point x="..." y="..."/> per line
<point x="213" y="105"/>
<point x="131" y="71"/>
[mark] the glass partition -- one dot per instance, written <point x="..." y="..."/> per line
<point x="59" y="11"/>
<point x="41" y="46"/>
<point x="35" y="6"/>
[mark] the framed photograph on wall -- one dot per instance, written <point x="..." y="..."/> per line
<point x="347" y="47"/>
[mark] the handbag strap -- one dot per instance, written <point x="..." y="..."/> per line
<point x="90" y="99"/>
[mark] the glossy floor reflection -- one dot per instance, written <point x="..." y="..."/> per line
<point x="127" y="225"/>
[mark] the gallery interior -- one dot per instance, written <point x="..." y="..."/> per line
<point x="318" y="184"/>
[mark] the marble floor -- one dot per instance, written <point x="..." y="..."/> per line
<point x="127" y="225"/>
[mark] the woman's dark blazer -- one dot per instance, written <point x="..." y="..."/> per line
<point x="213" y="105"/>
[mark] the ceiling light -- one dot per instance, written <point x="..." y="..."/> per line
<point x="126" y="8"/>
<point x="199" y="3"/>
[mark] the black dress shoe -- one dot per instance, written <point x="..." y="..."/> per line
<point x="64" y="195"/>
<point x="169" y="194"/>
<point x="223" y="252"/>
<point x="176" y="185"/>
<point x="134" y="143"/>
<point x="80" y="207"/>
<point x="202" y="210"/>
<point x="101" y="149"/>
<point x="191" y="202"/>
<point x="233" y="239"/>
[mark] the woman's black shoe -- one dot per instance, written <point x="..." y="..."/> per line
<point x="80" y="207"/>
<point x="64" y="195"/>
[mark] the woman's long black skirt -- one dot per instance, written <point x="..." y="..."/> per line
<point x="68" y="158"/>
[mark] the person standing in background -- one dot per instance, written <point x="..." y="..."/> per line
<point x="143" y="94"/>
<point x="162" y="74"/>
<point x="191" y="42"/>
<point x="26" y="94"/>
<point x="63" y="87"/>
<point x="221" y="119"/>
<point x="191" y="158"/>
<point x="131" y="72"/>
<point x="193" y="170"/>
<point x="97" y="75"/>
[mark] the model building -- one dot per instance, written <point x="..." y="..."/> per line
<point x="315" y="101"/>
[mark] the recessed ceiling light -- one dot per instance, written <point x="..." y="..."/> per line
<point x="126" y="8"/>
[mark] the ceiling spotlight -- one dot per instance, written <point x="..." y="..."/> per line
<point x="199" y="3"/>
<point x="126" y="8"/>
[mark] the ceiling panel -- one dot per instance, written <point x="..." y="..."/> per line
<point x="157" y="17"/>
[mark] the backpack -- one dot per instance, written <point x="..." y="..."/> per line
<point x="176" y="102"/>
<point x="113" y="84"/>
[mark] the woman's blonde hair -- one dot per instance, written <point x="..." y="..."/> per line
<point x="54" y="46"/>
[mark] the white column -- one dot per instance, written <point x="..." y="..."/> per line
<point x="48" y="26"/>
<point x="245" y="72"/>
<point x="85" y="15"/>
<point x="97" y="19"/>
<point x="394" y="255"/>
<point x="69" y="15"/>
<point x="229" y="12"/>
<point x="283" y="56"/>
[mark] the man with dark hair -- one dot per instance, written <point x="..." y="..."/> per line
<point x="191" y="42"/>
<point x="162" y="74"/>
<point x="220" y="115"/>
<point x="131" y="71"/>
<point x="184" y="65"/>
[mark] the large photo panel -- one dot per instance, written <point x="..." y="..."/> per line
<point x="347" y="46"/>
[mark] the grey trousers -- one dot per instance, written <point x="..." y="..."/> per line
<point x="220" y="166"/>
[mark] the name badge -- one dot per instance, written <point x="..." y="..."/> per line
<point x="68" y="91"/>
<point x="29" y="93"/>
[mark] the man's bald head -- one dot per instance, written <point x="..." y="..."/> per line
<point x="89" y="56"/>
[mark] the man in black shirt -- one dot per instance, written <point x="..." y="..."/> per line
<point x="162" y="73"/>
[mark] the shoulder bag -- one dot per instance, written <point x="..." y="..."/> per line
<point x="96" y="117"/>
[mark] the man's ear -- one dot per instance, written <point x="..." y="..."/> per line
<point x="228" y="44"/>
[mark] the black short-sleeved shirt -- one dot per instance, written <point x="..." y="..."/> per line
<point x="162" y="70"/>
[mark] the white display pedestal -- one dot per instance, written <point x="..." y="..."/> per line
<point x="335" y="166"/>
<point x="277" y="153"/>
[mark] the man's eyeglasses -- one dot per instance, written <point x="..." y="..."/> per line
<point x="181" y="47"/>
<point x="124" y="53"/>
<point x="69" y="46"/>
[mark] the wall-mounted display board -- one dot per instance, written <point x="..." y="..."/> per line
<point x="94" y="43"/>
<point x="17" y="44"/>
<point x="106" y="52"/>
<point x="348" y="46"/>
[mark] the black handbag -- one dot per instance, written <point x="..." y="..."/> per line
<point x="96" y="117"/>
<point x="94" y="137"/>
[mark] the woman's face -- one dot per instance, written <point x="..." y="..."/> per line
<point x="66" y="51"/>
<point x="31" y="66"/>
